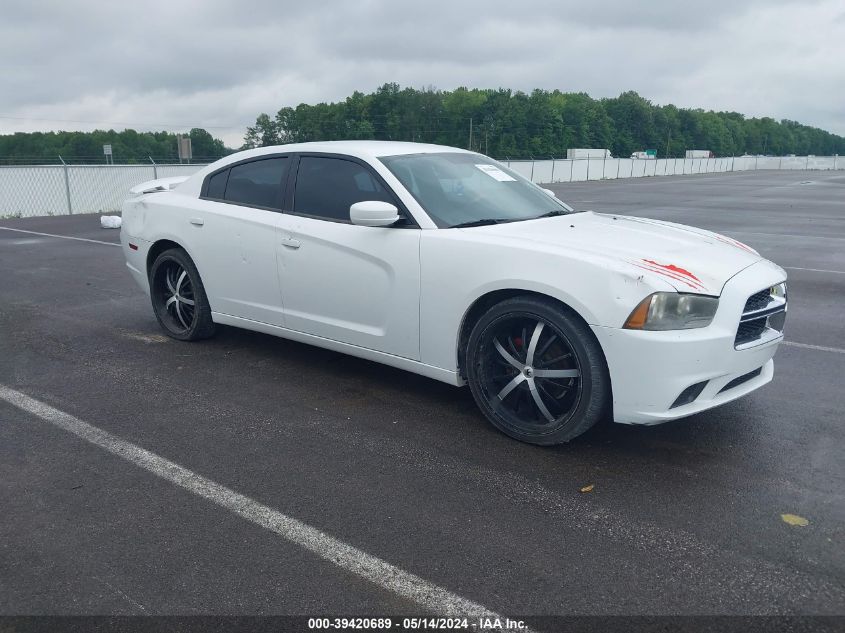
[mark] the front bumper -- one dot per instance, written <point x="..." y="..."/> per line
<point x="650" y="370"/>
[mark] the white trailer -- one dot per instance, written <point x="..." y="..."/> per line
<point x="699" y="153"/>
<point x="588" y="153"/>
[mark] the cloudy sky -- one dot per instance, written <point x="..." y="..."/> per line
<point x="175" y="64"/>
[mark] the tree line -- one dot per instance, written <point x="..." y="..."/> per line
<point x="506" y="123"/>
<point x="502" y="123"/>
<point x="128" y="146"/>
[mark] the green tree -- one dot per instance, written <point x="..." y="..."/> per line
<point x="265" y="132"/>
<point x="513" y="124"/>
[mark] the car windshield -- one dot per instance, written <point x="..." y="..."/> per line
<point x="461" y="189"/>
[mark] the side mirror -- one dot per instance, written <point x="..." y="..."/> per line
<point x="373" y="213"/>
<point x="550" y="192"/>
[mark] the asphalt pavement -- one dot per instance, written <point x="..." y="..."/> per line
<point x="683" y="518"/>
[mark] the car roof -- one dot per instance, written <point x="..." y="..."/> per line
<point x="361" y="149"/>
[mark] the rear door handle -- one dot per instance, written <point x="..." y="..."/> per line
<point x="291" y="242"/>
<point x="197" y="221"/>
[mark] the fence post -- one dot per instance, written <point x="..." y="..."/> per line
<point x="603" y="161"/>
<point x="835" y="156"/>
<point x="588" y="168"/>
<point x="807" y="164"/>
<point x="553" y="168"/>
<point x="67" y="186"/>
<point x="155" y="168"/>
<point x="532" y="169"/>
<point x="618" y="162"/>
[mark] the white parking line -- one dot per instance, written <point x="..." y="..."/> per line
<point x="820" y="348"/>
<point x="426" y="594"/>
<point x="62" y="237"/>
<point x="786" y="236"/>
<point x="816" y="270"/>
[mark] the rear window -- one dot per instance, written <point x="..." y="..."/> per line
<point x="258" y="183"/>
<point x="217" y="185"/>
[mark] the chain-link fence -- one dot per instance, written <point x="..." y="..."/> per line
<point x="39" y="190"/>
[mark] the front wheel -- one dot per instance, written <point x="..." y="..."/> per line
<point x="536" y="371"/>
<point x="178" y="297"/>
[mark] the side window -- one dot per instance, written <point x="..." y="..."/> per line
<point x="217" y="185"/>
<point x="257" y="183"/>
<point x="327" y="187"/>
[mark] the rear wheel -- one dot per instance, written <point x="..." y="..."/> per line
<point x="178" y="297"/>
<point x="536" y="371"/>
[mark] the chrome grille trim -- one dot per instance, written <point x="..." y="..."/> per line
<point x="773" y="307"/>
<point x="754" y="327"/>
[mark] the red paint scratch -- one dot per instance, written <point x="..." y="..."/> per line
<point x="733" y="242"/>
<point x="674" y="269"/>
<point x="662" y="271"/>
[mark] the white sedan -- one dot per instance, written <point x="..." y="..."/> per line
<point x="446" y="263"/>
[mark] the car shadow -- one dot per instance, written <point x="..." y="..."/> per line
<point x="696" y="441"/>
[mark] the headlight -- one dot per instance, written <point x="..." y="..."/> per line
<point x="778" y="291"/>
<point x="672" y="311"/>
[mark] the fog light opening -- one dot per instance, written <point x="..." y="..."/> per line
<point x="689" y="394"/>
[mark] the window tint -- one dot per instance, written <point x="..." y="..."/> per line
<point x="327" y="187"/>
<point x="257" y="183"/>
<point x="217" y="185"/>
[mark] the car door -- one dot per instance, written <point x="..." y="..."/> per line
<point x="355" y="284"/>
<point x="241" y="207"/>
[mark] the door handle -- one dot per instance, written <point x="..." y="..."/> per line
<point x="291" y="242"/>
<point x="197" y="221"/>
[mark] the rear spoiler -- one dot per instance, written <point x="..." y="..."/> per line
<point x="153" y="186"/>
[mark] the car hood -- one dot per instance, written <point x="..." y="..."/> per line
<point x="690" y="259"/>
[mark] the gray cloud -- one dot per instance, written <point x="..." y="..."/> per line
<point x="218" y="64"/>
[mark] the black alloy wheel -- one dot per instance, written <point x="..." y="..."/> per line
<point x="536" y="371"/>
<point x="178" y="297"/>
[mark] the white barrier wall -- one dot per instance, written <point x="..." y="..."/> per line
<point x="59" y="190"/>
<point x="581" y="169"/>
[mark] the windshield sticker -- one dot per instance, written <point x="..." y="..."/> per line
<point x="496" y="173"/>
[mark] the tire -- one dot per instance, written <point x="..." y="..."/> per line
<point x="562" y="392"/>
<point x="178" y="297"/>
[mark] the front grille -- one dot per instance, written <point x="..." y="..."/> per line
<point x="736" y="382"/>
<point x="757" y="301"/>
<point x="762" y="317"/>
<point x="750" y="331"/>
